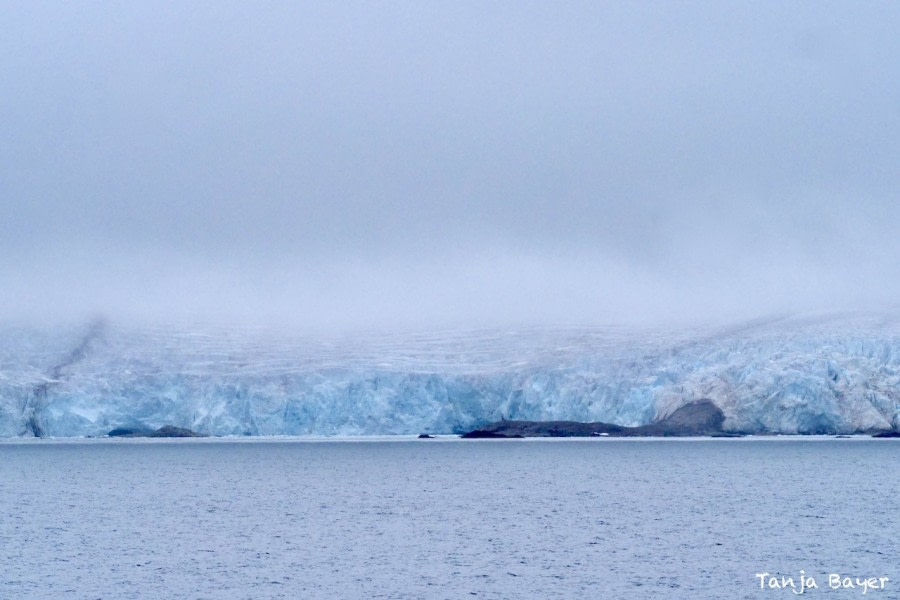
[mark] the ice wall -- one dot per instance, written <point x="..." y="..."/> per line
<point x="823" y="375"/>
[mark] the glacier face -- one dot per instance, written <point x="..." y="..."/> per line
<point x="791" y="375"/>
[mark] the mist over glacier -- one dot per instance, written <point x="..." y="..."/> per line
<point x="834" y="374"/>
<point x="415" y="166"/>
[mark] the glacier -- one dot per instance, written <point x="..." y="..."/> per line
<point x="788" y="375"/>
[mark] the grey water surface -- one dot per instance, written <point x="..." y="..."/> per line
<point x="445" y="518"/>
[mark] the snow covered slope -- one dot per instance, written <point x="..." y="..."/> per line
<point x="814" y="375"/>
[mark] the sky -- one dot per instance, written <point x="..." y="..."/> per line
<point x="341" y="165"/>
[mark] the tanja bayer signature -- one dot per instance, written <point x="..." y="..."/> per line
<point x="835" y="581"/>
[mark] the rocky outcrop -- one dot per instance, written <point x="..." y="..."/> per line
<point x="701" y="418"/>
<point x="167" y="431"/>
<point x="887" y="434"/>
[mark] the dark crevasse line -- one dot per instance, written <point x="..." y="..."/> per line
<point x="37" y="400"/>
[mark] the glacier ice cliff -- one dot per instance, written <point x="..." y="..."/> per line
<point x="791" y="375"/>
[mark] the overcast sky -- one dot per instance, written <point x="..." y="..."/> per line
<point x="420" y="164"/>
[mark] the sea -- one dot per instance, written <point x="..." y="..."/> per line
<point x="259" y="518"/>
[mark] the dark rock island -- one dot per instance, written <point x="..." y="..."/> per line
<point x="700" y="418"/>
<point x="167" y="431"/>
<point x="887" y="434"/>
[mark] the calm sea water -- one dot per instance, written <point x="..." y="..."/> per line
<point x="609" y="518"/>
